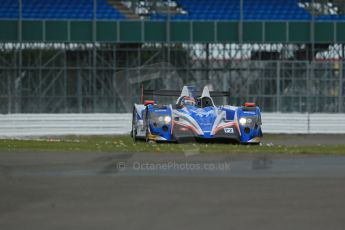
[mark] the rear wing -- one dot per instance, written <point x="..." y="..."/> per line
<point x="169" y="93"/>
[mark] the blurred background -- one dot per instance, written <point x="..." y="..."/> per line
<point x="94" y="56"/>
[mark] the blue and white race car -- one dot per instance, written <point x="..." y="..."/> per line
<point x="196" y="118"/>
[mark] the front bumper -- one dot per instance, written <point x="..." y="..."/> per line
<point x="181" y="133"/>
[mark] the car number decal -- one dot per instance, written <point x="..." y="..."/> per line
<point x="229" y="130"/>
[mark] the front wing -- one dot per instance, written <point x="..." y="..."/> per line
<point x="182" y="132"/>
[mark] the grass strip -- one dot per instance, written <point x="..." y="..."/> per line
<point x="125" y="144"/>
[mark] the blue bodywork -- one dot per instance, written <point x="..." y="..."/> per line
<point x="254" y="130"/>
<point x="198" y="118"/>
<point x="156" y="126"/>
<point x="205" y="118"/>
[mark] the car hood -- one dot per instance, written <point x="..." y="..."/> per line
<point x="205" y="117"/>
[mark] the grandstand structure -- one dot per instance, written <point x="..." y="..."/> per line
<point x="87" y="56"/>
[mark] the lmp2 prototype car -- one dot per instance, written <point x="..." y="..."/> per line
<point x="197" y="118"/>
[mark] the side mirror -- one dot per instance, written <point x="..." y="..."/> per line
<point x="149" y="102"/>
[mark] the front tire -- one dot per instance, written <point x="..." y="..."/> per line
<point x="147" y="139"/>
<point x="134" y="126"/>
<point x="147" y="131"/>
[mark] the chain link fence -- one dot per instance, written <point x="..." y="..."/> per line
<point x="109" y="78"/>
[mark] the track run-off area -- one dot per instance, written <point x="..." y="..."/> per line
<point x="109" y="182"/>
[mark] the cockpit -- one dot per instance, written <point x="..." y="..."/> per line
<point x="201" y="102"/>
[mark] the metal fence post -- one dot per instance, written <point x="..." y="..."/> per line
<point x="9" y="93"/>
<point x="79" y="92"/>
<point x="308" y="85"/>
<point x="278" y="86"/>
<point x="115" y="69"/>
<point x="65" y="109"/>
<point x="17" y="82"/>
<point x="94" y="55"/>
<point x="341" y="82"/>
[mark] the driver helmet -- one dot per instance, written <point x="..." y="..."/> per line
<point x="187" y="101"/>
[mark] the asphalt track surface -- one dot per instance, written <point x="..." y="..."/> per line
<point x="170" y="191"/>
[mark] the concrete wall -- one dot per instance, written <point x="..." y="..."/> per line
<point x="22" y="125"/>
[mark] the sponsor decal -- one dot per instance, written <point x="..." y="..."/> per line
<point x="203" y="113"/>
<point x="229" y="130"/>
<point x="205" y="123"/>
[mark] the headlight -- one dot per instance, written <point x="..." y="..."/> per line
<point x="167" y="119"/>
<point x="243" y="121"/>
<point x="248" y="121"/>
<point x="160" y="118"/>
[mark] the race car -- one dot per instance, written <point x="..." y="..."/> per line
<point x="194" y="116"/>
